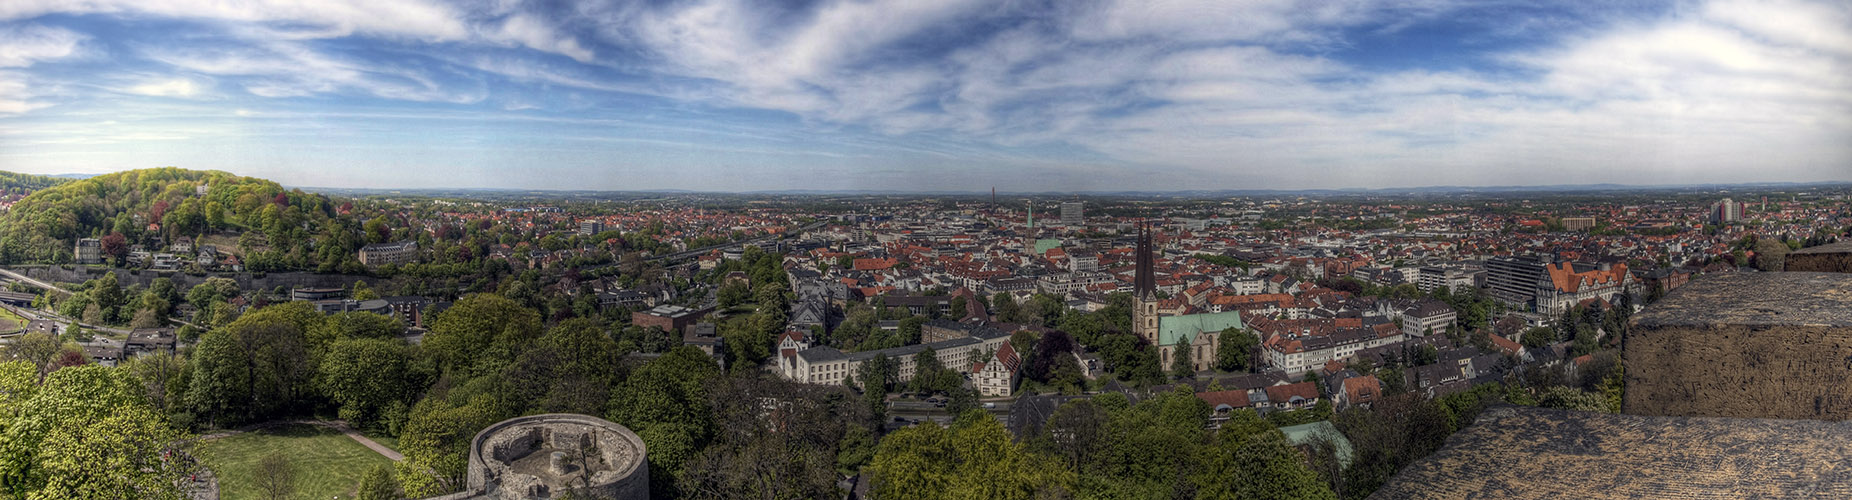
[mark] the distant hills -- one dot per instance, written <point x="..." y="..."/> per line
<point x="16" y="183"/>
<point x="155" y="207"/>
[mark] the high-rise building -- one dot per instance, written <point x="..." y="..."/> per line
<point x="1070" y="214"/>
<point x="1726" y="211"/>
<point x="1515" y="280"/>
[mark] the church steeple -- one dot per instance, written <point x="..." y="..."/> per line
<point x="1144" y="289"/>
<point x="1144" y="282"/>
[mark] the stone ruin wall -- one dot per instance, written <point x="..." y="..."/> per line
<point x="1752" y="345"/>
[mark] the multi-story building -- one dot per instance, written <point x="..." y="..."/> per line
<point x="380" y="254"/>
<point x="1454" y="278"/>
<point x="1296" y="354"/>
<point x="996" y="377"/>
<point x="1726" y="211"/>
<point x="800" y="362"/>
<point x="1578" y="223"/>
<point x="1071" y="214"/>
<point x="1544" y="286"/>
<point x="668" y="318"/>
<point x="88" y="251"/>
<point x="590" y="227"/>
<point x="1515" y="280"/>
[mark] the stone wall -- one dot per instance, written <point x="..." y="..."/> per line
<point x="246" y="281"/>
<point x="1759" y="345"/>
<point x="1834" y="258"/>
<point x="1523" y="453"/>
<point x="492" y="474"/>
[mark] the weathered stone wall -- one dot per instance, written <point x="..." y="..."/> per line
<point x="1834" y="258"/>
<point x="490" y="476"/>
<point x="246" y="281"/>
<point x="1758" y="345"/>
<point x="1523" y="453"/>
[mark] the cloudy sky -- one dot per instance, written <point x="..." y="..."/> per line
<point x="1060" y="95"/>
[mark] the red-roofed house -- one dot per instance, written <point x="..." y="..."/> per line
<point x="1293" y="396"/>
<point x="1222" y="404"/>
<point x="996" y="377"/>
<point x="1359" y="391"/>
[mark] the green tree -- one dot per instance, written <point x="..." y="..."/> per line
<point x="108" y="295"/>
<point x="663" y="401"/>
<point x="1771" y="254"/>
<point x="1181" y="366"/>
<point x="85" y="432"/>
<point x="1235" y="350"/>
<point x="364" y="292"/>
<point x="975" y="458"/>
<point x="1005" y="309"/>
<point x="364" y="376"/>
<point x="481" y="333"/>
<point x="378" y="484"/>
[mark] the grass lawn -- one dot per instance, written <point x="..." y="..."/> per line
<point x="328" y="465"/>
<point x="10" y="321"/>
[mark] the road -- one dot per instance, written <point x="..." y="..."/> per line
<point x="33" y="282"/>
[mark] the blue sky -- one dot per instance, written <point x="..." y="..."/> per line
<point x="1023" y="95"/>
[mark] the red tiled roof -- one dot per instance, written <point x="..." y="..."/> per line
<point x="1284" y="393"/>
<point x="1234" y="399"/>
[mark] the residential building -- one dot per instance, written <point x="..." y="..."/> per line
<point x="1453" y="277"/>
<point x="1726" y="212"/>
<point x="801" y="362"/>
<point x="88" y="251"/>
<point x="1578" y="223"/>
<point x="706" y="337"/>
<point x="1295" y="349"/>
<point x="380" y="254"/>
<point x="996" y="377"/>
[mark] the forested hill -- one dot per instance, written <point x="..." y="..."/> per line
<point x="155" y="207"/>
<point x="13" y="183"/>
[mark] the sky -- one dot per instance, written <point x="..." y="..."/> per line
<point x="932" y="95"/>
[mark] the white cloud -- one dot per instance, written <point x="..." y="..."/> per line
<point x="22" y="45"/>
<point x="167" y="87"/>
<point x="533" y="33"/>
<point x="291" y="69"/>
<point x="417" y="19"/>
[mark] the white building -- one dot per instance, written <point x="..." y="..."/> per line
<point x="996" y="377"/>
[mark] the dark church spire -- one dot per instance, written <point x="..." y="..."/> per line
<point x="1144" y="283"/>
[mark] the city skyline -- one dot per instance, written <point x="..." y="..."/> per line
<point x="941" y="96"/>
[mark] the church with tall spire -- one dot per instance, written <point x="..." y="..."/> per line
<point x="1198" y="335"/>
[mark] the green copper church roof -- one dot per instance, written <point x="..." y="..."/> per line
<point x="1171" y="328"/>
<point x="1303" y="434"/>
<point x="1042" y="246"/>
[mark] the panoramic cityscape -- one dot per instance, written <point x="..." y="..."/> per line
<point x="893" y="250"/>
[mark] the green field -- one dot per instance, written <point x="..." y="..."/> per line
<point x="10" y="321"/>
<point x="327" y="464"/>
